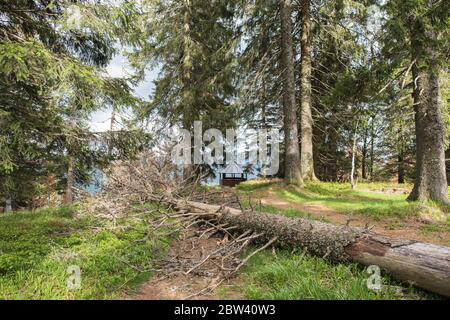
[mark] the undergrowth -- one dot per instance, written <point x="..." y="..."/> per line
<point x="37" y="249"/>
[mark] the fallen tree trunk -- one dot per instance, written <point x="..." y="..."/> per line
<point x="424" y="265"/>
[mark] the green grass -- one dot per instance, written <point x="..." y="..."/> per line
<point x="436" y="227"/>
<point x="367" y="199"/>
<point x="255" y="185"/>
<point x="36" y="250"/>
<point x="362" y="201"/>
<point x="295" y="276"/>
<point x="340" y="197"/>
<point x="290" y="213"/>
<point x="343" y="199"/>
<point x="250" y="203"/>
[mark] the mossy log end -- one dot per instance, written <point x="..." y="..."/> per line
<point x="424" y="265"/>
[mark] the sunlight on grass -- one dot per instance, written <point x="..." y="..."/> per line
<point x="296" y="276"/>
<point x="258" y="184"/>
<point x="377" y="200"/>
<point x="343" y="199"/>
<point x="291" y="213"/>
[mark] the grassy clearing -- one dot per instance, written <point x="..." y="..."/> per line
<point x="367" y="199"/>
<point x="343" y="199"/>
<point x="256" y="185"/>
<point x="433" y="228"/>
<point x="295" y="276"/>
<point x="36" y="250"/>
<point x="290" y="213"/>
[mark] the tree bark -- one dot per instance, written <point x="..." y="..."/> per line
<point x="68" y="199"/>
<point x="334" y="150"/>
<point x="424" y="265"/>
<point x="292" y="153"/>
<point x="306" y="153"/>
<point x="364" y="156"/>
<point x="70" y="181"/>
<point x="112" y="125"/>
<point x="352" y="174"/>
<point x="264" y="124"/>
<point x="447" y="163"/>
<point x="431" y="179"/>
<point x="401" y="167"/>
<point x="372" y="148"/>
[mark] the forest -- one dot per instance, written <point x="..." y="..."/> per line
<point x="224" y="149"/>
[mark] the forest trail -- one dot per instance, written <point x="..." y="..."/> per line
<point x="175" y="285"/>
<point x="171" y="283"/>
<point x="407" y="229"/>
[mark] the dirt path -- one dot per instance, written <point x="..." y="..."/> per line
<point x="176" y="288"/>
<point x="174" y="284"/>
<point x="407" y="229"/>
<point x="179" y="286"/>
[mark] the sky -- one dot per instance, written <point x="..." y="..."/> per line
<point x="118" y="68"/>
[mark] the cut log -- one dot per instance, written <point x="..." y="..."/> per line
<point x="424" y="265"/>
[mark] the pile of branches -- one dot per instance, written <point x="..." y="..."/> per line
<point x="154" y="178"/>
<point x="194" y="213"/>
<point x="214" y="252"/>
<point x="140" y="181"/>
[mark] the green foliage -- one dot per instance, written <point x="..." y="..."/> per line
<point x="345" y="200"/>
<point x="37" y="248"/>
<point x="250" y="186"/>
<point x="295" y="276"/>
<point x="259" y="96"/>
<point x="51" y="81"/>
<point x="193" y="45"/>
<point x="408" y="27"/>
<point x="291" y="213"/>
<point x="368" y="199"/>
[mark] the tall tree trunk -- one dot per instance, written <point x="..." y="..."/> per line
<point x="264" y="124"/>
<point x="264" y="127"/>
<point x="364" y="156"/>
<point x="352" y="174"/>
<point x="401" y="167"/>
<point x="69" y="197"/>
<point x="292" y="153"/>
<point x="447" y="163"/>
<point x="334" y="150"/>
<point x="70" y="181"/>
<point x="186" y="78"/>
<point x="112" y="127"/>
<point x="372" y="148"/>
<point x="431" y="179"/>
<point x="306" y="153"/>
<point x="113" y="120"/>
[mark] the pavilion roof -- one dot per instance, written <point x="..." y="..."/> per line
<point x="233" y="168"/>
